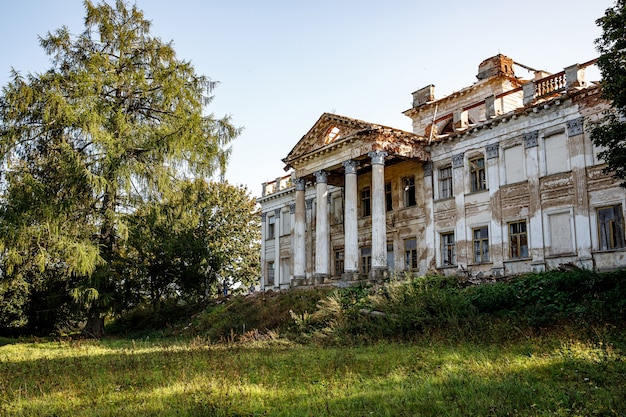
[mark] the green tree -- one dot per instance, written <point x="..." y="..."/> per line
<point x="184" y="246"/>
<point x="610" y="133"/>
<point x="112" y="124"/>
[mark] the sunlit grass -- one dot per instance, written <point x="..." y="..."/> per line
<point x="542" y="377"/>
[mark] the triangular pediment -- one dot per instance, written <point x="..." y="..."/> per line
<point x="328" y="130"/>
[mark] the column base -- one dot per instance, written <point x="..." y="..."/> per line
<point x="318" y="278"/>
<point x="379" y="273"/>
<point x="298" y="282"/>
<point x="350" y="276"/>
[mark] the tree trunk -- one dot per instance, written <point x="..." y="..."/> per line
<point x="94" y="328"/>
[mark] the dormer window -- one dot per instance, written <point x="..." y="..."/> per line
<point x="333" y="134"/>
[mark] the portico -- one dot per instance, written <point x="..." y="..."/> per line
<point x="332" y="154"/>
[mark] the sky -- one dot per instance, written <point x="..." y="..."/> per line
<point x="281" y="64"/>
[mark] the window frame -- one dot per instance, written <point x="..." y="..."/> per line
<point x="410" y="254"/>
<point x="271" y="273"/>
<point x="339" y="262"/>
<point x="481" y="256"/>
<point x="388" y="197"/>
<point x="365" y="259"/>
<point x="445" y="180"/>
<point x="616" y="239"/>
<point x="449" y="248"/>
<point x="517" y="235"/>
<point x="366" y="202"/>
<point x="478" y="174"/>
<point x="410" y="198"/>
<point x="271" y="227"/>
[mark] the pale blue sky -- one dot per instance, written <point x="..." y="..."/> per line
<point x="281" y="64"/>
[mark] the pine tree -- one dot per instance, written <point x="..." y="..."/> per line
<point x="114" y="122"/>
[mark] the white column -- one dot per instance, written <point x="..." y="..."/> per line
<point x="496" y="252"/>
<point x="321" y="227"/>
<point x="263" y="263"/>
<point x="299" y="251"/>
<point x="535" y="220"/>
<point x="277" y="266"/>
<point x="379" y="218"/>
<point x="351" y="262"/>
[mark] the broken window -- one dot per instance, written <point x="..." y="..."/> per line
<point x="448" y="249"/>
<point x="333" y="134"/>
<point x="478" y="180"/>
<point x="481" y="244"/>
<point x="410" y="253"/>
<point x="518" y="240"/>
<point x="366" y="208"/>
<point x="611" y="227"/>
<point x="366" y="260"/>
<point x="445" y="182"/>
<point x="409" y="191"/>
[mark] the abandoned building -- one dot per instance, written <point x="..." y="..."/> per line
<point x="498" y="178"/>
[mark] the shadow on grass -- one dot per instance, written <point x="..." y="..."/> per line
<point x="384" y="379"/>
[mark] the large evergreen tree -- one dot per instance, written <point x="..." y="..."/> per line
<point x="611" y="132"/>
<point x="113" y="123"/>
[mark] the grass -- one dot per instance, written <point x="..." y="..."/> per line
<point x="549" y="375"/>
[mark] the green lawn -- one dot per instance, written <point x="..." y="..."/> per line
<point x="539" y="376"/>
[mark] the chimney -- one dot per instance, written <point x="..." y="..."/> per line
<point x="495" y="66"/>
<point x="423" y="95"/>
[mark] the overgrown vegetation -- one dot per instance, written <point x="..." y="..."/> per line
<point x="407" y="310"/>
<point x="549" y="344"/>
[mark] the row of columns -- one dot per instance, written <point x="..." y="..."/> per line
<point x="322" y="236"/>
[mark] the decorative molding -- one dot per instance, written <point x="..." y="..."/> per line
<point x="309" y="204"/>
<point x="300" y="184"/>
<point x="263" y="217"/>
<point x="292" y="208"/>
<point x="378" y="157"/>
<point x="457" y="160"/>
<point x="530" y="139"/>
<point x="350" y="166"/>
<point x="493" y="150"/>
<point x="277" y="212"/>
<point x="428" y="168"/>
<point x="575" y="127"/>
<point x="321" y="177"/>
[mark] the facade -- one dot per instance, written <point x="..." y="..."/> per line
<point x="498" y="178"/>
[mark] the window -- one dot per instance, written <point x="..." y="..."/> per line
<point x="410" y="253"/>
<point x="366" y="208"/>
<point x="285" y="269"/>
<point x="514" y="164"/>
<point x="409" y="191"/>
<point x="557" y="156"/>
<point x="445" y="182"/>
<point x="339" y="263"/>
<point x="611" y="227"/>
<point x="448" y="249"/>
<point x="285" y="222"/>
<point x="388" y="197"/>
<point x="390" y="258"/>
<point x="271" y="227"/>
<point x="480" y="237"/>
<point x="477" y="174"/>
<point x="518" y="240"/>
<point x="366" y="260"/>
<point x="270" y="273"/>
<point x="560" y="228"/>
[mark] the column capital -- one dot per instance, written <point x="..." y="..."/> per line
<point x="378" y="157"/>
<point x="292" y="208"/>
<point x="277" y="212"/>
<point x="300" y="184"/>
<point x="350" y="166"/>
<point x="321" y="176"/>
